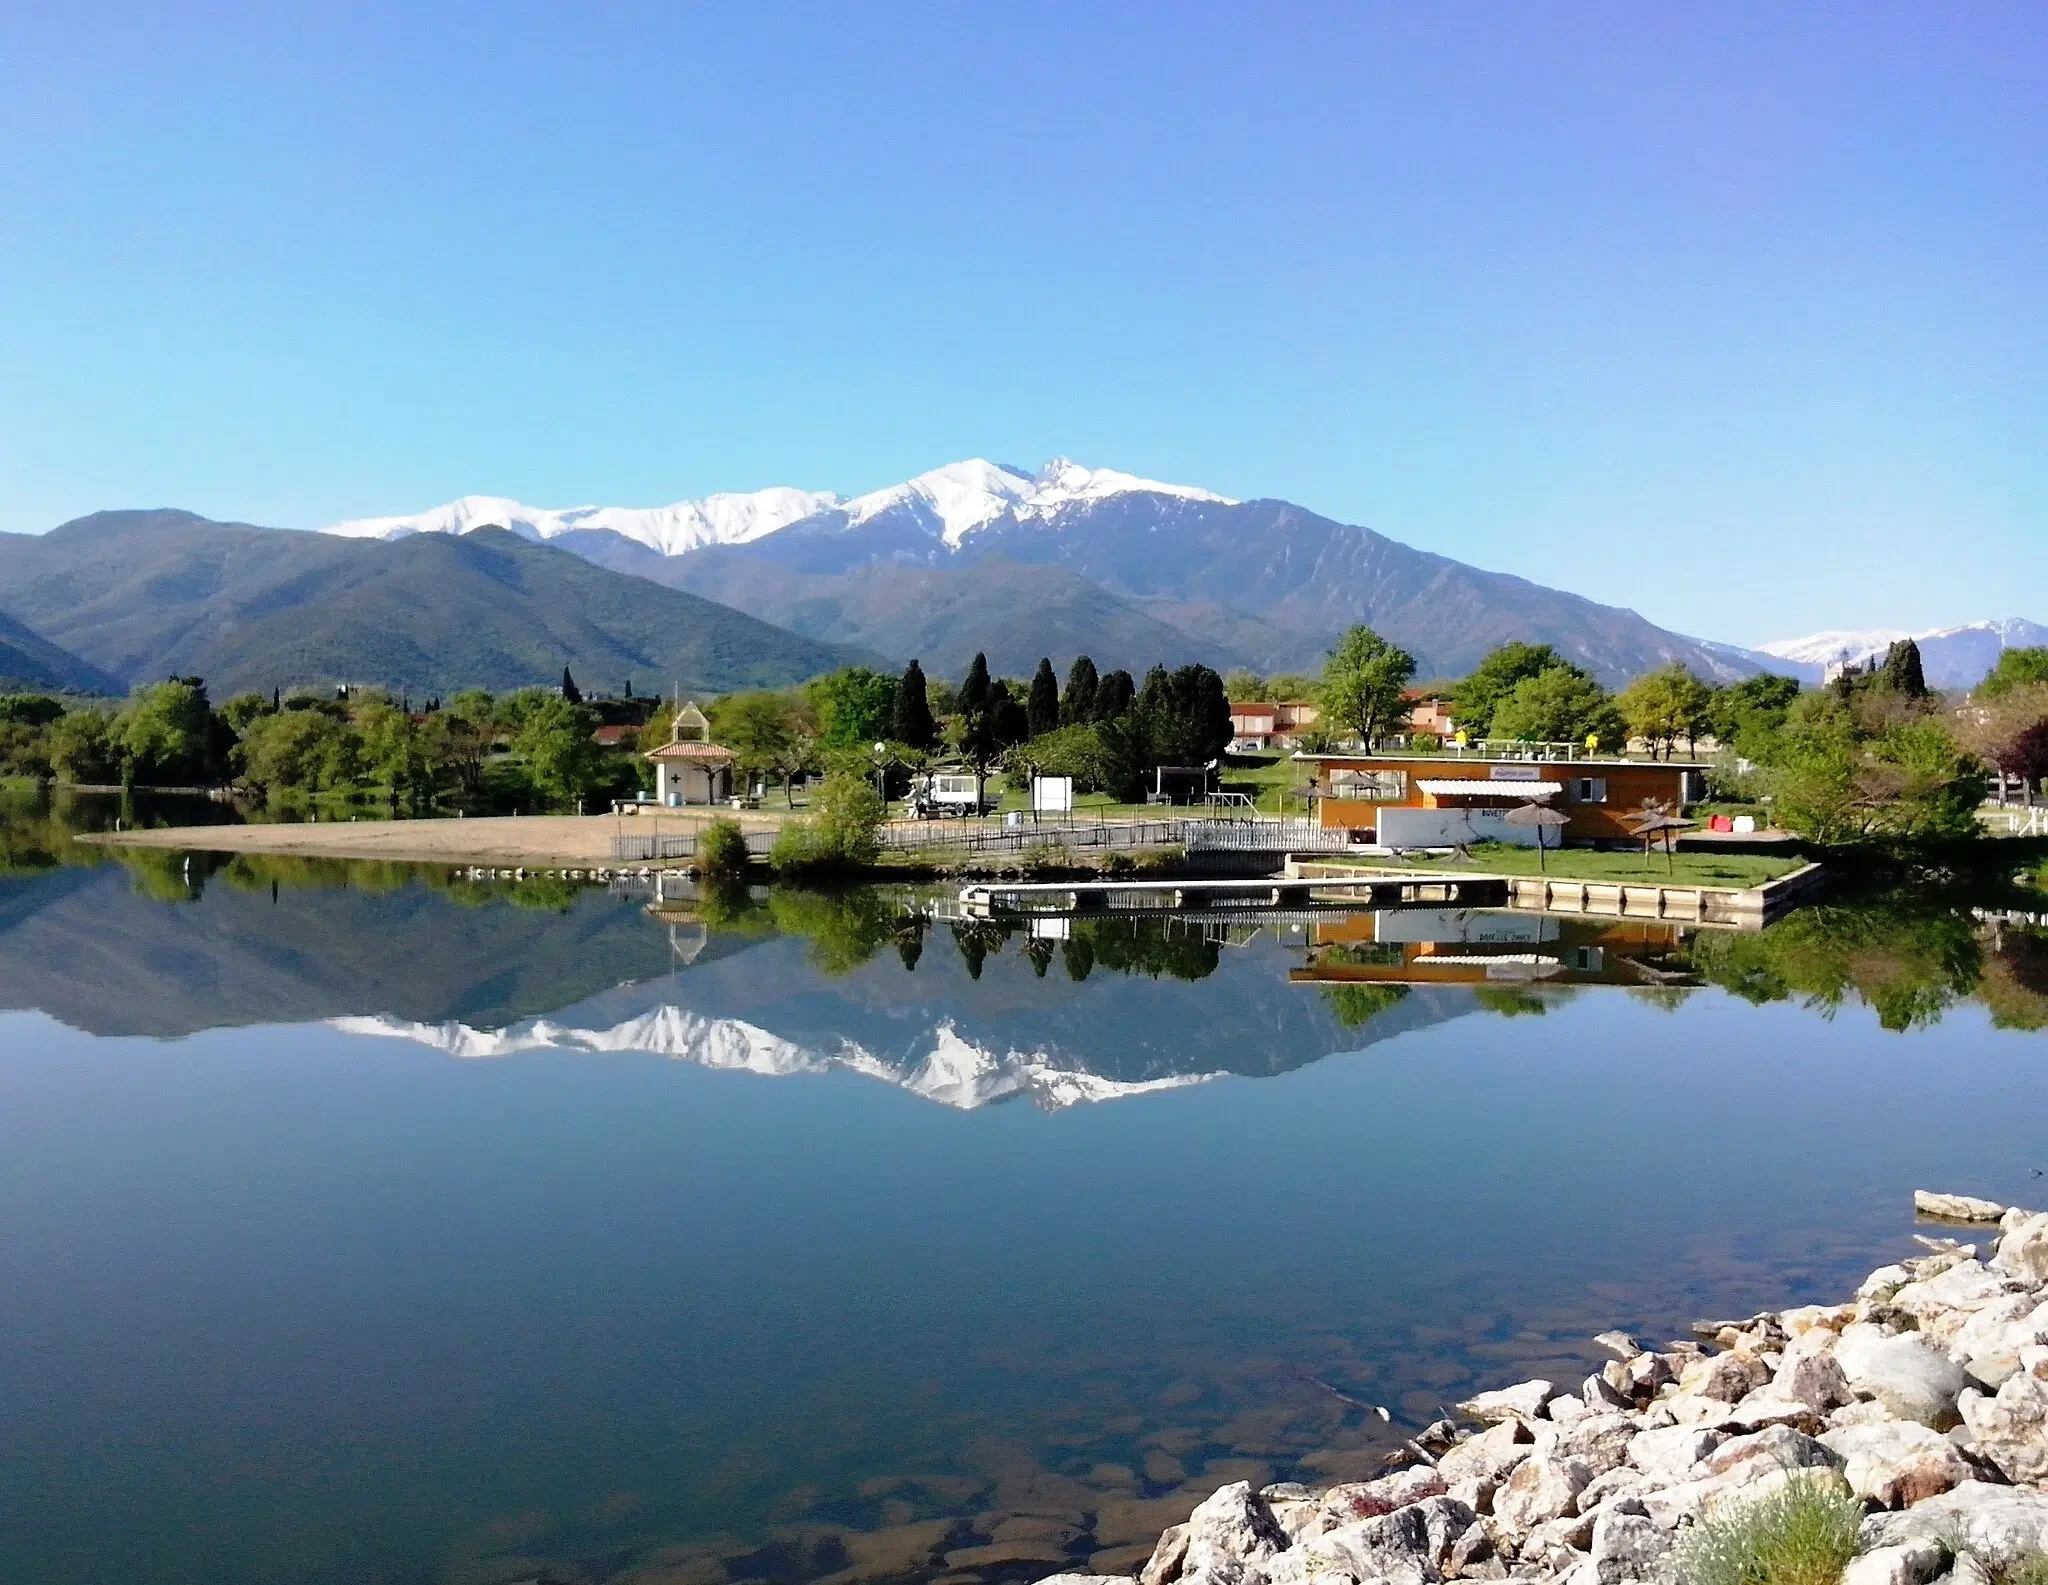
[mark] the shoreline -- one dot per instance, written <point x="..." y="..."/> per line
<point x="1923" y="1398"/>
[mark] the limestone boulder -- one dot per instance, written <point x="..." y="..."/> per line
<point x="1956" y="1207"/>
<point x="1808" y="1373"/>
<point x="1988" y="1344"/>
<point x="1525" y="1400"/>
<point x="1779" y="1446"/>
<point x="2001" y="1524"/>
<point x="1942" y="1303"/>
<point x="1490" y="1456"/>
<point x="1898" y="1463"/>
<point x="1355" y="1500"/>
<point x="1229" y="1530"/>
<point x="1409" y="1546"/>
<point x="1626" y="1546"/>
<point x="1913" y="1563"/>
<point x="1727" y="1377"/>
<point x="1672" y="1455"/>
<point x="2023" y="1247"/>
<point x="1543" y="1486"/>
<point x="2011" y="1429"/>
<point x="1169" y="1557"/>
<point x="1908" y="1375"/>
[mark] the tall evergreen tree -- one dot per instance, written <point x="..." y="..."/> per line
<point x="1043" y="709"/>
<point x="570" y="691"/>
<point x="1114" y="695"/>
<point x="914" y="723"/>
<point x="979" y="702"/>
<point x="1902" y="672"/>
<point x="1078" y="704"/>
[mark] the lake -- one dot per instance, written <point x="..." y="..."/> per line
<point x="369" y="1224"/>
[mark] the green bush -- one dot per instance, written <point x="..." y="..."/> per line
<point x="839" y="833"/>
<point x="722" y="848"/>
<point x="1804" y="1533"/>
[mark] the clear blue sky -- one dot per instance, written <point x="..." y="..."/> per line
<point x="1739" y="318"/>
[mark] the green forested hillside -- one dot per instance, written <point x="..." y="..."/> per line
<point x="145" y="595"/>
<point x="30" y="662"/>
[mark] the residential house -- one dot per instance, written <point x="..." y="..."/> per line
<point x="1257" y="726"/>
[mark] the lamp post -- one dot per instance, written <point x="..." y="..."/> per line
<point x="881" y="776"/>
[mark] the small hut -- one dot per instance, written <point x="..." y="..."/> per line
<point x="689" y="768"/>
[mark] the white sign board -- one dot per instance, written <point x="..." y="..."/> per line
<point x="1052" y="795"/>
<point x="1516" y="773"/>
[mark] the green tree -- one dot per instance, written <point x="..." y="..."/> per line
<point x="1362" y="683"/>
<point x="570" y="691"/>
<point x="1664" y="705"/>
<point x="1561" y="705"/>
<point x="1743" y="715"/>
<point x="1077" y="704"/>
<point x="30" y="709"/>
<point x="161" y="734"/>
<point x="557" y="742"/>
<point x="81" y="748"/>
<point x="1114" y="695"/>
<point x="239" y="711"/>
<point x="1476" y="697"/>
<point x="856" y="707"/>
<point x="914" y="725"/>
<point x="297" y="750"/>
<point x="2016" y="668"/>
<point x="1245" y="686"/>
<point x="1042" y="709"/>
<point x="757" y="727"/>
<point x="1902" y="673"/>
<point x="1184" y="715"/>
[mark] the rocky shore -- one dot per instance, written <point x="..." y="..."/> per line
<point x="1924" y="1398"/>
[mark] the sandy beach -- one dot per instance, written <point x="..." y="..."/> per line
<point x="528" y="840"/>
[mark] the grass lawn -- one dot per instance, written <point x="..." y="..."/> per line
<point x="1589" y="864"/>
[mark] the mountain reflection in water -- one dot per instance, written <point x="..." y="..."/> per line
<point x="289" y="1293"/>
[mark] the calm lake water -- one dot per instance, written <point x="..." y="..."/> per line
<point x="365" y="1225"/>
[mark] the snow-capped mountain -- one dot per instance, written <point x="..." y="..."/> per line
<point x="667" y="530"/>
<point x="951" y="502"/>
<point x="1951" y="657"/>
<point x="954" y="1072"/>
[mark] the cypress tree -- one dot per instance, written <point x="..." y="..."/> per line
<point x="1113" y="696"/>
<point x="1902" y="671"/>
<point x="974" y="698"/>
<point x="1079" y="703"/>
<point x="570" y="691"/>
<point x="914" y="724"/>
<point x="1043" y="711"/>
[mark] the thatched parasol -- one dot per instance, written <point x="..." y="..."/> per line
<point x="1542" y="820"/>
<point x="1651" y="823"/>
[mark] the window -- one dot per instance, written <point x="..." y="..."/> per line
<point x="1587" y="960"/>
<point x="1373" y="786"/>
<point x="1589" y="790"/>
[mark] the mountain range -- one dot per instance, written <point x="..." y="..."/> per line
<point x="1950" y="657"/>
<point x="986" y="556"/>
<point x="767" y="588"/>
<point x="136" y="596"/>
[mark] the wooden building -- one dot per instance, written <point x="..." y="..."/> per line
<point x="1457" y="946"/>
<point x="1452" y="800"/>
<point x="689" y="768"/>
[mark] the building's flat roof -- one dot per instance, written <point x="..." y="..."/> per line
<point x="1487" y="787"/>
<point x="1496" y="759"/>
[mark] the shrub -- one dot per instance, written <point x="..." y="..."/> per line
<point x="1804" y="1533"/>
<point x="839" y="833"/>
<point x="722" y="848"/>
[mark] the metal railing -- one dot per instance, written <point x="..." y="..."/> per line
<point x="650" y="848"/>
<point x="976" y="836"/>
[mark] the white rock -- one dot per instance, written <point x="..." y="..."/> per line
<point x="1910" y="1377"/>
<point x="1542" y="1487"/>
<point x="1410" y="1544"/>
<point x="1728" y="1377"/>
<point x="1600" y="1441"/>
<point x="1089" y="1579"/>
<point x="1780" y="1446"/>
<point x="1354" y="1500"/>
<point x="1230" y="1528"/>
<point x="1815" y="1317"/>
<point x="1865" y="1411"/>
<point x="1600" y="1394"/>
<point x="1913" y="1563"/>
<point x="1673" y="1455"/>
<point x="1169" y="1554"/>
<point x="2011" y="1430"/>
<point x="1956" y="1207"/>
<point x="1998" y="1523"/>
<point x="1988" y="1344"/>
<point x="1942" y="1304"/>
<point x="1565" y="1407"/>
<point x="1767" y="1407"/>
<point x="2023" y="1246"/>
<point x="1525" y="1400"/>
<point x="1808" y="1374"/>
<point x="1490" y="1456"/>
<point x="1619" y="1344"/>
<point x="1882" y="1283"/>
<point x="1627" y="1545"/>
<point x="1898" y="1463"/>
